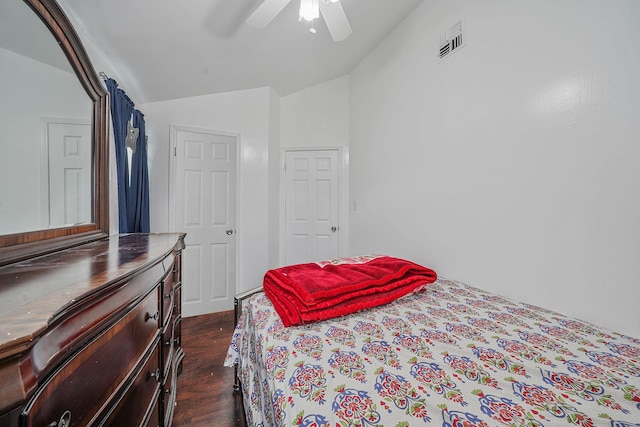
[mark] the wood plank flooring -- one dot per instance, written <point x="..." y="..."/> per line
<point x="205" y="388"/>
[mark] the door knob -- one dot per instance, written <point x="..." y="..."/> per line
<point x="334" y="229"/>
<point x="229" y="232"/>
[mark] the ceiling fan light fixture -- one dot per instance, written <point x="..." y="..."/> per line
<point x="331" y="11"/>
<point x="309" y="9"/>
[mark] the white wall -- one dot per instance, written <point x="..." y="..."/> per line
<point x="514" y="164"/>
<point x="246" y="113"/>
<point x="317" y="116"/>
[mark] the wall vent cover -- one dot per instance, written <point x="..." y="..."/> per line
<point x="451" y="41"/>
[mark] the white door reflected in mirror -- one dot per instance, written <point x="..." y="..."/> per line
<point x="68" y="151"/>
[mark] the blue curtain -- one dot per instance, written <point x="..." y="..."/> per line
<point x="133" y="197"/>
<point x="138" y="195"/>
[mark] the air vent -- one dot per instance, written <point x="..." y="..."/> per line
<point x="452" y="40"/>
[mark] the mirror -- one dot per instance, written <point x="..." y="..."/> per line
<point x="53" y="172"/>
<point x="46" y="116"/>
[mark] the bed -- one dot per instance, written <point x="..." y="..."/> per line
<point x="448" y="354"/>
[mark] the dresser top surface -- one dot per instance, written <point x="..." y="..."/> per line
<point x="33" y="291"/>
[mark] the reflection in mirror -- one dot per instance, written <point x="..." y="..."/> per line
<point x="45" y="129"/>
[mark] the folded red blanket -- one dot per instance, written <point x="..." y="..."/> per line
<point x="311" y="292"/>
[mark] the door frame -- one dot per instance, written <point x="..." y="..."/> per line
<point x="173" y="137"/>
<point x="343" y="197"/>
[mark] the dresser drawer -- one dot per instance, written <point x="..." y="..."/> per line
<point x="153" y="417"/>
<point x="169" y="390"/>
<point x="143" y="393"/>
<point x="89" y="381"/>
<point x="177" y="300"/>
<point x="171" y="341"/>
<point x="77" y="326"/>
<point x="167" y="295"/>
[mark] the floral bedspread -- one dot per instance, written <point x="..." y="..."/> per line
<point x="450" y="355"/>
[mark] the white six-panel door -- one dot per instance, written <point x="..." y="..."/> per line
<point x="312" y="229"/>
<point x="68" y="156"/>
<point x="204" y="195"/>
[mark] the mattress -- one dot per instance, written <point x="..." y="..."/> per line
<point x="448" y="355"/>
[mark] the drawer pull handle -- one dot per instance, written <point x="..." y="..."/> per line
<point x="175" y="341"/>
<point x="155" y="375"/>
<point x="153" y="316"/>
<point x="64" y="421"/>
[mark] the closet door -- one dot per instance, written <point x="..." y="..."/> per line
<point x="312" y="183"/>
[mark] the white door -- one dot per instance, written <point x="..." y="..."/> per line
<point x="204" y="196"/>
<point x="311" y="182"/>
<point x="69" y="160"/>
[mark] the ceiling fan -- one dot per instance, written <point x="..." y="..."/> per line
<point x="331" y="11"/>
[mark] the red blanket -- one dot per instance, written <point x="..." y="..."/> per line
<point x="311" y="292"/>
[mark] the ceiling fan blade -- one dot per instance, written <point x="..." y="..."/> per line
<point x="336" y="20"/>
<point x="264" y="14"/>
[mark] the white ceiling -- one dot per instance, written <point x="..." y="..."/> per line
<point x="168" y="49"/>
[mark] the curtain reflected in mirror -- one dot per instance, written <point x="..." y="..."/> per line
<point x="46" y="174"/>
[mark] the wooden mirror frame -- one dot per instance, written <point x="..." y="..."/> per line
<point x="21" y="246"/>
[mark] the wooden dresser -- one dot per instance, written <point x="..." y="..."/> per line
<point x="91" y="335"/>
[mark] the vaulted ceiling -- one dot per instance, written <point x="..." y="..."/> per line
<point x="168" y="49"/>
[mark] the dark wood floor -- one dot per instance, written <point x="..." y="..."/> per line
<point x="205" y="389"/>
